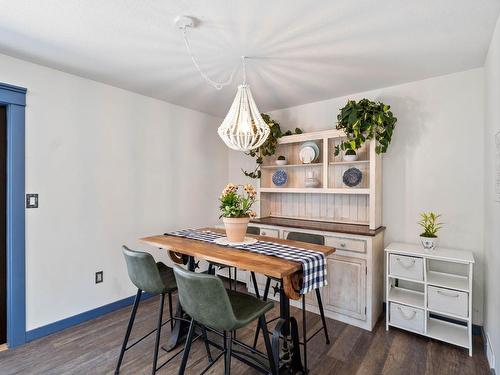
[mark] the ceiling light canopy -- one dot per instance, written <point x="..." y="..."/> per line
<point x="243" y="128"/>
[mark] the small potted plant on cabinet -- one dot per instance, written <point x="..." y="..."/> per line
<point x="281" y="160"/>
<point x="430" y="225"/>
<point x="236" y="210"/>
<point x="350" y="155"/>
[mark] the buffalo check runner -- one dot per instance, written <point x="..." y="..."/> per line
<point x="313" y="262"/>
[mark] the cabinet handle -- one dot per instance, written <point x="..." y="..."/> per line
<point x="407" y="266"/>
<point x="406" y="316"/>
<point x="263" y="233"/>
<point x="451" y="295"/>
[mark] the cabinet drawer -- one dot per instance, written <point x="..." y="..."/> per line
<point x="407" y="267"/>
<point x="340" y="243"/>
<point x="448" y="301"/>
<point x="407" y="317"/>
<point x="269" y="232"/>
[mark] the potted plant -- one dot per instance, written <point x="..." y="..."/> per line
<point x="281" y="160"/>
<point x="365" y="120"/>
<point x="236" y="210"/>
<point x="350" y="155"/>
<point x="429" y="236"/>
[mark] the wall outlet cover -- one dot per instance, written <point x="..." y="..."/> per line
<point x="99" y="277"/>
<point x="31" y="200"/>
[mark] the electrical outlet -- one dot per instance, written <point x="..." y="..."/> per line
<point x="99" y="277"/>
<point x="31" y="200"/>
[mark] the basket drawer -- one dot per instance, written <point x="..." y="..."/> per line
<point x="341" y="243"/>
<point x="407" y="317"/>
<point x="448" y="301"/>
<point x="407" y="267"/>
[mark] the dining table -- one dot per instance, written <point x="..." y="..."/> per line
<point x="285" y="336"/>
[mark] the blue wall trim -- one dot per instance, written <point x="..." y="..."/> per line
<point x="15" y="99"/>
<point x="80" y="318"/>
<point x="10" y="94"/>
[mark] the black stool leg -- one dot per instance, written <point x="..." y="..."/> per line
<point x="211" y="270"/>
<point x="158" y="332"/>
<point x="170" y="312"/>
<point x="304" y="331"/>
<point x="322" y="313"/>
<point x="129" y="329"/>
<point x="207" y="347"/>
<point x="264" y="298"/>
<point x="228" y="348"/>
<point x="187" y="347"/>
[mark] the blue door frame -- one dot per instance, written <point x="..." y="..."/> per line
<point x="14" y="98"/>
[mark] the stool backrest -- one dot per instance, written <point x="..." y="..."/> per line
<point x="205" y="299"/>
<point x="316" y="239"/>
<point x="253" y="230"/>
<point x="143" y="271"/>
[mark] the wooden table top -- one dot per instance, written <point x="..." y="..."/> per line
<point x="264" y="264"/>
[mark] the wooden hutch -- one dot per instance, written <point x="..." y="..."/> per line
<point x="348" y="217"/>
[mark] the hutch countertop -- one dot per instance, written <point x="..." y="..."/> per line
<point x="360" y="230"/>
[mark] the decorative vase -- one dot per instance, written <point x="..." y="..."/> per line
<point x="281" y="162"/>
<point x="429" y="243"/>
<point x="350" y="157"/>
<point x="236" y="228"/>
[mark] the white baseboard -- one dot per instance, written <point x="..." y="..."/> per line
<point x="489" y="352"/>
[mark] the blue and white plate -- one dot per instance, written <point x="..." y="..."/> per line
<point x="352" y="177"/>
<point x="280" y="177"/>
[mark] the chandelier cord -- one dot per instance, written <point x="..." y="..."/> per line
<point x="216" y="85"/>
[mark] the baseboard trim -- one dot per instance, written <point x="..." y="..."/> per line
<point x="80" y="318"/>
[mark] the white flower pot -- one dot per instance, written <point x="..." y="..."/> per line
<point x="236" y="228"/>
<point x="350" y="157"/>
<point x="429" y="243"/>
<point x="281" y="162"/>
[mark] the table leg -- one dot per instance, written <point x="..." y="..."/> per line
<point x="181" y="327"/>
<point x="291" y="362"/>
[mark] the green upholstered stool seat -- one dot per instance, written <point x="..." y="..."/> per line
<point x="247" y="308"/>
<point x="167" y="277"/>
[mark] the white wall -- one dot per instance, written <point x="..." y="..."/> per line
<point x="435" y="160"/>
<point x="492" y="207"/>
<point x="110" y="166"/>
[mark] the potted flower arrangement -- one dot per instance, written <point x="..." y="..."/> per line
<point x="281" y="160"/>
<point x="429" y="236"/>
<point x="236" y="210"/>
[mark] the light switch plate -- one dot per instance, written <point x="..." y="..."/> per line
<point x="31" y="200"/>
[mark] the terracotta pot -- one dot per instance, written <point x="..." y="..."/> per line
<point x="236" y="228"/>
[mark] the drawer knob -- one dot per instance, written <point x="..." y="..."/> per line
<point x="342" y="244"/>
<point x="446" y="294"/>
<point x="263" y="233"/>
<point x="407" y="317"/>
<point x="403" y="264"/>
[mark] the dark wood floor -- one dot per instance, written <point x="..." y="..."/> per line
<point x="93" y="347"/>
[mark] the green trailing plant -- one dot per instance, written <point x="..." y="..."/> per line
<point x="429" y="222"/>
<point x="365" y="120"/>
<point x="269" y="147"/>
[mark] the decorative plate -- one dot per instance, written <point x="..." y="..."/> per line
<point x="352" y="177"/>
<point x="280" y="177"/>
<point x="306" y="155"/>
<point x="224" y="241"/>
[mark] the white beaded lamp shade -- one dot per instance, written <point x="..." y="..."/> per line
<point x="243" y="129"/>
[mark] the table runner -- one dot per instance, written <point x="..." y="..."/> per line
<point x="313" y="262"/>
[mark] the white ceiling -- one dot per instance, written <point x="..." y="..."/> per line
<point x="307" y="50"/>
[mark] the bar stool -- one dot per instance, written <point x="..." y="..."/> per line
<point x="154" y="278"/>
<point x="308" y="238"/>
<point x="209" y="304"/>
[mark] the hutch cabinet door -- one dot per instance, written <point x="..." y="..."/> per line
<point x="346" y="290"/>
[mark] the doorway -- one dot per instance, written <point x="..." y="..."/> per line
<point x="3" y="231"/>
